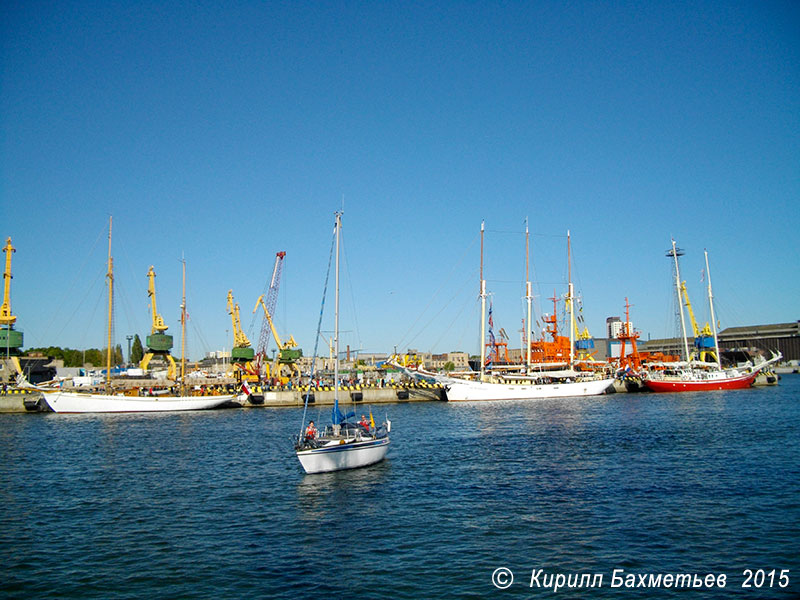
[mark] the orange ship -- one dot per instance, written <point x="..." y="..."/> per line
<point x="635" y="360"/>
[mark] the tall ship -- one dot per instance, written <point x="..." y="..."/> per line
<point x="552" y="374"/>
<point x="696" y="372"/>
<point x="116" y="401"/>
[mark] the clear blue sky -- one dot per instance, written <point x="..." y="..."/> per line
<point x="225" y="132"/>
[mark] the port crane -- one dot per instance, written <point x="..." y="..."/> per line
<point x="158" y="342"/>
<point x="242" y="353"/>
<point x="703" y="338"/>
<point x="288" y="352"/>
<point x="10" y="340"/>
<point x="584" y="343"/>
<point x="6" y="318"/>
<point x="272" y="300"/>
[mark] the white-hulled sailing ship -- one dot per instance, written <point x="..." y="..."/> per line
<point x="533" y="384"/>
<point x="111" y="402"/>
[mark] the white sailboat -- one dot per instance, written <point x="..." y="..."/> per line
<point x="535" y="384"/>
<point x="109" y="402"/>
<point x="76" y="402"/>
<point x="342" y="444"/>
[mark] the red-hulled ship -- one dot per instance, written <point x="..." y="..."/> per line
<point x="696" y="376"/>
<point x="699" y="380"/>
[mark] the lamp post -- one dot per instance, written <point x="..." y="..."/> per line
<point x="129" y="338"/>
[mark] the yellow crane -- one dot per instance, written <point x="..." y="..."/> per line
<point x="584" y="343"/>
<point x="242" y="353"/>
<point x="6" y="318"/>
<point x="158" y="342"/>
<point x="703" y="338"/>
<point x="10" y="340"/>
<point x="288" y="352"/>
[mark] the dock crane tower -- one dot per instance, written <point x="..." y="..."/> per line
<point x="158" y="342"/>
<point x="271" y="302"/>
<point x="10" y="340"/>
<point x="584" y="342"/>
<point x="288" y="352"/>
<point x="242" y="352"/>
<point x="703" y="338"/>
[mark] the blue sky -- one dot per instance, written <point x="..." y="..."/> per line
<point x="226" y="132"/>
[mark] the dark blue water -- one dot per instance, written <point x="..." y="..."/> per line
<point x="215" y="505"/>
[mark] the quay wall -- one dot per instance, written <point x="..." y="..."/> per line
<point x="14" y="400"/>
<point x="26" y="401"/>
<point x="356" y="396"/>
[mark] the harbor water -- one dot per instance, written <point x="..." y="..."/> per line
<point x="215" y="504"/>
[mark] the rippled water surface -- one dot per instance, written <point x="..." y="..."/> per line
<point x="215" y="505"/>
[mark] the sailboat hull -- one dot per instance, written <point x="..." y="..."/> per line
<point x="72" y="402"/>
<point x="722" y="382"/>
<point x="338" y="457"/>
<point x="467" y="391"/>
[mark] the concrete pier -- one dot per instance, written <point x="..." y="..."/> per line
<point x="350" y="396"/>
<point x="20" y="401"/>
<point x="26" y="401"/>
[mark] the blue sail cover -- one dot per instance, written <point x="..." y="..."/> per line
<point x="336" y="415"/>
<point x="337" y="418"/>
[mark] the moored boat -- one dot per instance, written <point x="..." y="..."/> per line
<point x="110" y="402"/>
<point x="698" y="380"/>
<point x="464" y="391"/>
<point x="533" y="382"/>
<point x="694" y="376"/>
<point x="76" y="402"/>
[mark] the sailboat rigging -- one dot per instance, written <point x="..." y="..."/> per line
<point x="500" y="385"/>
<point x="343" y="444"/>
<point x="111" y="402"/>
<point x="694" y="375"/>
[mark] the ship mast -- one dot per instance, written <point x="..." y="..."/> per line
<point x="675" y="253"/>
<point x="483" y="312"/>
<point x="527" y="333"/>
<point x="336" y="330"/>
<point x="713" y="319"/>
<point x="183" y="329"/>
<point x="110" y="276"/>
<point x="571" y="307"/>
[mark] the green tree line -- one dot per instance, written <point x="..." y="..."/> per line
<point x="93" y="356"/>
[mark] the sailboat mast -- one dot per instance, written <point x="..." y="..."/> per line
<point x="571" y="307"/>
<point x="711" y="308"/>
<point x="680" y="303"/>
<point x="183" y="329"/>
<point x="527" y="334"/>
<point x="110" y="276"/>
<point x="483" y="312"/>
<point x="336" y="318"/>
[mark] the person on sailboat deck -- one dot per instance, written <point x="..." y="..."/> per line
<point x="311" y="431"/>
<point x="363" y="422"/>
